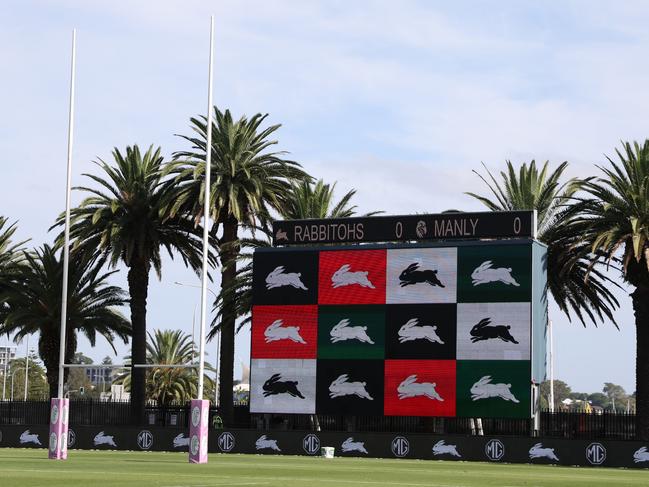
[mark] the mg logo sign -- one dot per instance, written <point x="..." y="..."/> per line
<point x="144" y="439"/>
<point x="400" y="446"/>
<point x="72" y="437"/>
<point x="494" y="449"/>
<point x="311" y="444"/>
<point x="596" y="453"/>
<point x="226" y="441"/>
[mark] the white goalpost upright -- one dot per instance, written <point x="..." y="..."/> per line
<point x="199" y="417"/>
<point x="59" y="406"/>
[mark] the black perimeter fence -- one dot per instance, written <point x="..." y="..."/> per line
<point x="557" y="424"/>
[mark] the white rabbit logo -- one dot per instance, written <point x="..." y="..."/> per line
<point x="641" y="455"/>
<point x="410" y="388"/>
<point x="181" y="440"/>
<point x="537" y="451"/>
<point x="28" y="437"/>
<point x="264" y="442"/>
<point x="277" y="278"/>
<point x="412" y="331"/>
<point x="485" y="273"/>
<point x="342" y="277"/>
<point x="342" y="332"/>
<point x="341" y="387"/>
<point x="484" y="389"/>
<point x="102" y="439"/>
<point x="350" y="445"/>
<point x="441" y="448"/>
<point x="275" y="331"/>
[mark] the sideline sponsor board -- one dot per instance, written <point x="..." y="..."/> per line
<point x="557" y="451"/>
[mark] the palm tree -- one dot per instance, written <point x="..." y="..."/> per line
<point x="124" y="220"/>
<point x="167" y="385"/>
<point x="573" y="283"/>
<point x="9" y="251"/>
<point x="247" y="181"/>
<point x="614" y="222"/>
<point x="309" y="200"/>
<point x="33" y="304"/>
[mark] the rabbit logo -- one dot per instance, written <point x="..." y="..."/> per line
<point x="412" y="275"/>
<point x="350" y="445"/>
<point x="412" y="331"/>
<point x="275" y="386"/>
<point x="485" y="273"/>
<point x="281" y="235"/>
<point x="181" y="440"/>
<point x="641" y="455"/>
<point x="484" y="389"/>
<point x="29" y="437"/>
<point x="263" y="442"/>
<point x="102" y="439"/>
<point x="343" y="277"/>
<point x="441" y="448"/>
<point x="411" y="388"/>
<point x="343" y="332"/>
<point x="275" y="332"/>
<point x="342" y="387"/>
<point x="537" y="451"/>
<point x="484" y="331"/>
<point x="278" y="278"/>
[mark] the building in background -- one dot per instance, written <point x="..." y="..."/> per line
<point x="7" y="354"/>
<point x="100" y="377"/>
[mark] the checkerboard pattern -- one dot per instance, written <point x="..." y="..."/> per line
<point x="419" y="331"/>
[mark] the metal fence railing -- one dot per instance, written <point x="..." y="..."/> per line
<point x="558" y="424"/>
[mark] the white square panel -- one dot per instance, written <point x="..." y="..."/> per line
<point x="421" y="275"/>
<point x="282" y="386"/>
<point x="493" y="331"/>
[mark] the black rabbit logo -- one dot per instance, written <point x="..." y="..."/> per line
<point x="274" y="386"/>
<point x="411" y="275"/>
<point x="483" y="331"/>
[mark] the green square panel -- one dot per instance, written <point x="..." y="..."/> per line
<point x="494" y="274"/>
<point x="351" y="332"/>
<point x="493" y="388"/>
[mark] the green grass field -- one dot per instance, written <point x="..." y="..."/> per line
<point x="21" y="468"/>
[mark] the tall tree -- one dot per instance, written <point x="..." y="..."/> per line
<point x="167" y="385"/>
<point x="316" y="200"/>
<point x="37" y="388"/>
<point x="614" y="221"/>
<point x="33" y="298"/>
<point x="10" y="251"/>
<point x="574" y="284"/>
<point x="123" y="220"/>
<point x="247" y="181"/>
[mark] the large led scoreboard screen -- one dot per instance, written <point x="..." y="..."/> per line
<point x="410" y="331"/>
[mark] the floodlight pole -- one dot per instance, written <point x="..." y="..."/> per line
<point x="200" y="407"/>
<point x="58" y="438"/>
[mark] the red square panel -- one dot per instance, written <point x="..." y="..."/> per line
<point x="419" y="388"/>
<point x="352" y="277"/>
<point x="284" y="331"/>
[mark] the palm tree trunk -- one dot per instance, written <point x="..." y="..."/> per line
<point x="641" y="308"/>
<point x="229" y="253"/>
<point x="48" y="350"/>
<point x="138" y="284"/>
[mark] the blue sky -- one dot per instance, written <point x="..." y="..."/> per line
<point x="400" y="100"/>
